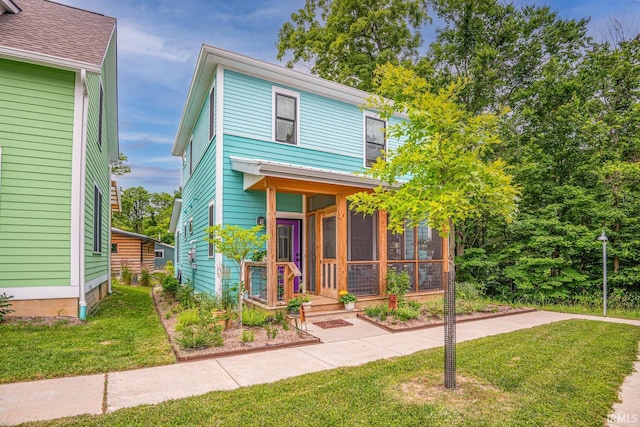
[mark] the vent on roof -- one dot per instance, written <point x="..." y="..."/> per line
<point x="7" y="6"/>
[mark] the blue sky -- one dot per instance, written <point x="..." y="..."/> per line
<point x="158" y="45"/>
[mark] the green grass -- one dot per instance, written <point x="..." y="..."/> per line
<point x="582" y="309"/>
<point x="126" y="333"/>
<point x="565" y="373"/>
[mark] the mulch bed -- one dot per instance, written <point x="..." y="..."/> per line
<point x="424" y="322"/>
<point x="337" y="323"/>
<point x="233" y="344"/>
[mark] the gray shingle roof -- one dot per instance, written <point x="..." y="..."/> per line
<point x="53" y="29"/>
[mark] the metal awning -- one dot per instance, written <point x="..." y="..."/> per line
<point x="256" y="170"/>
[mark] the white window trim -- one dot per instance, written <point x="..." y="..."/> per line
<point x="278" y="90"/>
<point x="211" y="221"/>
<point x="190" y="226"/>
<point x="161" y="251"/>
<point x="212" y="112"/>
<point x="372" y="115"/>
<point x="97" y="187"/>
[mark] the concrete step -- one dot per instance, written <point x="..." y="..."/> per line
<point x="319" y="316"/>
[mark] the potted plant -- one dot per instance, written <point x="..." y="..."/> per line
<point x="397" y="286"/>
<point x="349" y="300"/>
<point x="293" y="306"/>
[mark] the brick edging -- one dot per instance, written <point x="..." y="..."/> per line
<point x="441" y="323"/>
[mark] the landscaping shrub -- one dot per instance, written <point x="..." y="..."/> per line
<point x="405" y="313"/>
<point x="469" y="291"/>
<point x="185" y="295"/>
<point x="197" y="337"/>
<point x="170" y="285"/>
<point x="435" y="307"/>
<point x="169" y="268"/>
<point x="254" y="317"/>
<point x="145" y="278"/>
<point x="380" y="311"/>
<point x="248" y="336"/>
<point x="5" y="306"/>
<point x="126" y="275"/>
<point x="272" y="331"/>
<point x="415" y="305"/>
<point x="188" y="318"/>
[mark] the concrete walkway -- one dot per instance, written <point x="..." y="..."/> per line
<point x="345" y="346"/>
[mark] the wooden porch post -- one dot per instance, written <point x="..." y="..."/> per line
<point x="272" y="270"/>
<point x="382" y="251"/>
<point x="341" y="244"/>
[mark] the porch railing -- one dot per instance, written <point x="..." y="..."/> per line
<point x="257" y="283"/>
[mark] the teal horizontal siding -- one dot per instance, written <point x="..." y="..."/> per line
<point x="196" y="195"/>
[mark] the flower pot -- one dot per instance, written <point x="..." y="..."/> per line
<point x="349" y="306"/>
<point x="393" y="302"/>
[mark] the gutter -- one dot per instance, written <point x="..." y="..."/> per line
<point x="82" y="314"/>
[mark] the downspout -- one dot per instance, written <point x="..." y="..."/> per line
<point x="82" y="315"/>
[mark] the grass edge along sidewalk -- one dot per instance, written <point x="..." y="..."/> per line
<point x="564" y="373"/>
<point x="124" y="334"/>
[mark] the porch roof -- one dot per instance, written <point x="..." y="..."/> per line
<point x="257" y="173"/>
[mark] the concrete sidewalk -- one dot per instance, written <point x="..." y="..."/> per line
<point x="345" y="346"/>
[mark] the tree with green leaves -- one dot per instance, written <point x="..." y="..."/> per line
<point x="344" y="40"/>
<point x="237" y="244"/>
<point x="443" y="163"/>
<point x="120" y="168"/>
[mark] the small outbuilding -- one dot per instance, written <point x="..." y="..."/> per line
<point x="133" y="251"/>
<point x="163" y="253"/>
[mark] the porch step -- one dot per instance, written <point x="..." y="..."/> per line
<point x="319" y="316"/>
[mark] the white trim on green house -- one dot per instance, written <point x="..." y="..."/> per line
<point x="219" y="167"/>
<point x="94" y="283"/>
<point x="41" y="292"/>
<point x="76" y="180"/>
<point x="46" y="60"/>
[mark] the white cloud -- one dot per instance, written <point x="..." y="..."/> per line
<point x="135" y="41"/>
<point x="147" y="138"/>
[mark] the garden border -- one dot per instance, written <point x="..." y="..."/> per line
<point x="441" y="323"/>
<point x="190" y="358"/>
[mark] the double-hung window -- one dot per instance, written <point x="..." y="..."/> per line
<point x="97" y="220"/>
<point x="286" y="110"/>
<point x="375" y="142"/>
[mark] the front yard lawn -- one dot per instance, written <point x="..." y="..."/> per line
<point x="125" y="333"/>
<point x="561" y="374"/>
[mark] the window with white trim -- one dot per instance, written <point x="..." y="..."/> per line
<point x="97" y="219"/>
<point x="211" y="223"/>
<point x="375" y="140"/>
<point x="159" y="253"/>
<point x="286" y="112"/>
<point x="190" y="226"/>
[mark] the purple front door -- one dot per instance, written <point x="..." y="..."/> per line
<point x="289" y="244"/>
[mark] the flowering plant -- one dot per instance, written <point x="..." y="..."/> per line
<point x="346" y="297"/>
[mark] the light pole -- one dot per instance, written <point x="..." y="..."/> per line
<point x="603" y="239"/>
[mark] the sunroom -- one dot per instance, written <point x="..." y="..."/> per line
<point x="330" y="248"/>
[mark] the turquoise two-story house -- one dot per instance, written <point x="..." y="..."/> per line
<point x="265" y="144"/>
<point x="58" y="134"/>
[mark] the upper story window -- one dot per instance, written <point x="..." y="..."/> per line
<point x="375" y="142"/>
<point x="286" y="112"/>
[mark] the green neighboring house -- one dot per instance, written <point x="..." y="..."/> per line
<point x="58" y="135"/>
